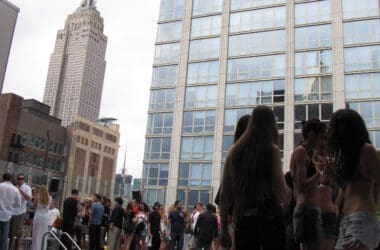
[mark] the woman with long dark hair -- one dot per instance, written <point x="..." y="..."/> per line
<point x="357" y="171"/>
<point x="307" y="221"/>
<point x="254" y="184"/>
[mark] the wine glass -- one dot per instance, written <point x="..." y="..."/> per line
<point x="319" y="166"/>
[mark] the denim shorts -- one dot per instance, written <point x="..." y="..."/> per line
<point x="330" y="226"/>
<point x="359" y="227"/>
<point x="307" y="224"/>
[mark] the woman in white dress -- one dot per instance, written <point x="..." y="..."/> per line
<point x="41" y="217"/>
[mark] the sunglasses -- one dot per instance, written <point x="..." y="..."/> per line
<point x="20" y="178"/>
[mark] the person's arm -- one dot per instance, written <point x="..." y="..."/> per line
<point x="169" y="226"/>
<point x="149" y="226"/>
<point x="304" y="183"/>
<point x="197" y="223"/>
<point x="372" y="163"/>
<point x="26" y="192"/>
<point x="282" y="191"/>
<point x="225" y="202"/>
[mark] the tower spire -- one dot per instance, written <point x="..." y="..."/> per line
<point x="87" y="4"/>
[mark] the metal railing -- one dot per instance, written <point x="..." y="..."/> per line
<point x="55" y="237"/>
<point x="72" y="240"/>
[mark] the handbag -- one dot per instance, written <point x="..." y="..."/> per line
<point x="57" y="223"/>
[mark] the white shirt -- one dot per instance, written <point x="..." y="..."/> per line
<point x="21" y="209"/>
<point x="9" y="198"/>
<point x="53" y="214"/>
<point x="195" y="218"/>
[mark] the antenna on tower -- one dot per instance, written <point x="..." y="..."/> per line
<point x="124" y="170"/>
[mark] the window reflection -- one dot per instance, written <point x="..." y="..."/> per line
<point x="201" y="7"/>
<point x="169" y="31"/>
<point x="256" y="43"/>
<point x="313" y="37"/>
<point x="199" y="121"/>
<point x="256" y="67"/>
<point x="313" y="12"/>
<point x="201" y="97"/>
<point x="360" y="8"/>
<point x="362" y="58"/>
<point x="171" y="9"/>
<point x="313" y="88"/>
<point x="244" y="4"/>
<point x="313" y="62"/>
<point x="206" y="26"/>
<point x="362" y="86"/>
<point x="361" y="32"/>
<point x="197" y="148"/>
<point x="204" y="48"/>
<point x="164" y="76"/>
<point x="203" y="72"/>
<point x="258" y="19"/>
<point x="305" y="112"/>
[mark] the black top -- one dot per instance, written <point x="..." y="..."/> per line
<point x="206" y="228"/>
<point x="70" y="211"/>
<point x="117" y="216"/>
<point x="154" y="221"/>
<point x="85" y="219"/>
<point x="177" y="222"/>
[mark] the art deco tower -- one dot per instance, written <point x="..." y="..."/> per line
<point x="76" y="72"/>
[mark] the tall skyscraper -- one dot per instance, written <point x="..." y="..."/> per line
<point x="8" y="18"/>
<point x="77" y="66"/>
<point x="216" y="60"/>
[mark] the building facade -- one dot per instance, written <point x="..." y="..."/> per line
<point x="8" y="18"/>
<point x="216" y="60"/>
<point x="92" y="159"/>
<point x="33" y="143"/>
<point x="77" y="66"/>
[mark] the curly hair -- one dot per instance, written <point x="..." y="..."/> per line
<point x="347" y="135"/>
<point x="313" y="125"/>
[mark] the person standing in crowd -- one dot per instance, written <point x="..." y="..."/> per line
<point x="53" y="212"/>
<point x="241" y="126"/>
<point x="188" y="231"/>
<point x="253" y="186"/>
<point x="154" y="226"/>
<point x="97" y="211"/>
<point x="288" y="215"/>
<point x="19" y="215"/>
<point x="70" y="212"/>
<point x="78" y="223"/>
<point x="41" y="217"/>
<point x="116" y="224"/>
<point x="129" y="226"/>
<point x="306" y="179"/>
<point x="176" y="226"/>
<point x="357" y="171"/>
<point x="86" y="212"/>
<point x="198" y="209"/>
<point x="9" y="199"/>
<point x="105" y="221"/>
<point x="141" y="230"/>
<point x="30" y="207"/>
<point x="164" y="229"/>
<point x="206" y="228"/>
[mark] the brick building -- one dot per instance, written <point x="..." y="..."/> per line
<point x="32" y="142"/>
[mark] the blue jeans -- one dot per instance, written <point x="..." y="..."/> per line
<point x="4" y="231"/>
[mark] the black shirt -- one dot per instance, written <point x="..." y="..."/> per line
<point x="117" y="216"/>
<point x="70" y="211"/>
<point x="207" y="227"/>
<point x="154" y="221"/>
<point x="177" y="222"/>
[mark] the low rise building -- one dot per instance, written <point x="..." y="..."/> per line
<point x="93" y="154"/>
<point x="32" y="142"/>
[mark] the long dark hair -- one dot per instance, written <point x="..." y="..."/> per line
<point x="241" y="126"/>
<point x="347" y="135"/>
<point x="252" y="158"/>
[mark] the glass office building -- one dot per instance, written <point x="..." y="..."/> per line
<point x="216" y="60"/>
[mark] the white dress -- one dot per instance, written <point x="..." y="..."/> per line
<point x="40" y="225"/>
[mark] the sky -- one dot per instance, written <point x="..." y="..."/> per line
<point x="131" y="30"/>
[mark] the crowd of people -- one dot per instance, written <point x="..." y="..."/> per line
<point x="326" y="201"/>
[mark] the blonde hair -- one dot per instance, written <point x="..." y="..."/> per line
<point x="43" y="195"/>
